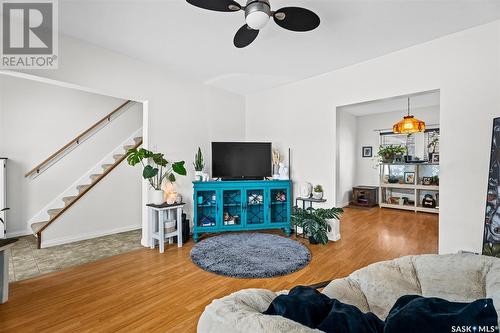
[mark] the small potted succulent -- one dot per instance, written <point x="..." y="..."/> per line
<point x="390" y="153"/>
<point x="155" y="170"/>
<point x="318" y="192"/>
<point x="199" y="165"/>
<point x="314" y="222"/>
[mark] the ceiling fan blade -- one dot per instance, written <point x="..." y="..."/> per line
<point x="296" y="19"/>
<point x="245" y="36"/>
<point x="217" y="5"/>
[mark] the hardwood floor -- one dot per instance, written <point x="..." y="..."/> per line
<point x="144" y="291"/>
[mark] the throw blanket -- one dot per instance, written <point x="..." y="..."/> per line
<point x="410" y="314"/>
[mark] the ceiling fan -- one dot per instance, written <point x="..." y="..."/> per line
<point x="257" y="14"/>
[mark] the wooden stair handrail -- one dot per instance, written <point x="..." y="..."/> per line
<point x="75" y="140"/>
<point x="80" y="195"/>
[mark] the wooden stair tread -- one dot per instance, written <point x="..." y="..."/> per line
<point x="118" y="156"/>
<point x="138" y="139"/>
<point x="82" y="188"/>
<point x="106" y="166"/>
<point x="54" y="211"/>
<point x="68" y="200"/>
<point x="94" y="176"/>
<point x="37" y="226"/>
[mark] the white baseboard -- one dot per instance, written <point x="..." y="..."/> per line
<point x="19" y="233"/>
<point x="90" y="235"/>
<point x="345" y="204"/>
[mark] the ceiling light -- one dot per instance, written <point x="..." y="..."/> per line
<point x="409" y="124"/>
<point x="257" y="14"/>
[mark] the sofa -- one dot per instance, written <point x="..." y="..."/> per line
<point x="375" y="288"/>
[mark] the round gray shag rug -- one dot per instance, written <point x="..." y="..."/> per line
<point x="250" y="255"/>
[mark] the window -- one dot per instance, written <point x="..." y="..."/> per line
<point x="416" y="142"/>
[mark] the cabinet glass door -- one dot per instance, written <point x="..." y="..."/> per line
<point x="279" y="205"/>
<point x="231" y="208"/>
<point x="206" y="208"/>
<point x="255" y="207"/>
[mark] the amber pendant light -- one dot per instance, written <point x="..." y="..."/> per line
<point x="409" y="124"/>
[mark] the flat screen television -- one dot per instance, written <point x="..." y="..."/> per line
<point x="241" y="160"/>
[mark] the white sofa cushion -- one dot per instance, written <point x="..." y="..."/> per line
<point x="456" y="277"/>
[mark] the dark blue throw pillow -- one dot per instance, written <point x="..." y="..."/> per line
<point x="415" y="314"/>
<point x="313" y="309"/>
<point x="410" y="314"/>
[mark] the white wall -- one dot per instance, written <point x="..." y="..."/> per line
<point x="368" y="135"/>
<point x="178" y="118"/>
<point x="37" y="120"/>
<point x="465" y="67"/>
<point x="346" y="157"/>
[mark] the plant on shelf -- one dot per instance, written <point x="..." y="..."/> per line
<point x="318" y="192"/>
<point x="155" y="169"/>
<point x="389" y="154"/>
<point x="199" y="164"/>
<point x="314" y="222"/>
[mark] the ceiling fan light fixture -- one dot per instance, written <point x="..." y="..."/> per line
<point x="257" y="14"/>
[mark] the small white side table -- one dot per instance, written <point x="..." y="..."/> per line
<point x="158" y="214"/>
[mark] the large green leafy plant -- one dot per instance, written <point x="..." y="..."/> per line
<point x="389" y="153"/>
<point x="155" y="167"/>
<point x="314" y="222"/>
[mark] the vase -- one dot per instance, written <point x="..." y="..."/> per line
<point x="317" y="195"/>
<point x="306" y="190"/>
<point x="158" y="197"/>
<point x="198" y="176"/>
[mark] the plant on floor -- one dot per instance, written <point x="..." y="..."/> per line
<point x="389" y="153"/>
<point x="314" y="222"/>
<point x="199" y="163"/>
<point x="155" y="167"/>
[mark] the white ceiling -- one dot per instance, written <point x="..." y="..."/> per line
<point x="400" y="103"/>
<point x="198" y="43"/>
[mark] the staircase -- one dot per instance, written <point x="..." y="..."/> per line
<point x="39" y="223"/>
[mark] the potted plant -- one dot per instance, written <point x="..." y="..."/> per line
<point x="199" y="165"/>
<point x="314" y="222"/>
<point x="388" y="154"/>
<point x="318" y="192"/>
<point x="155" y="170"/>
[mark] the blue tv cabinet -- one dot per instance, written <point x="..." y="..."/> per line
<point x="241" y="205"/>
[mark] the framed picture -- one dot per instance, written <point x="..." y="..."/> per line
<point x="426" y="180"/>
<point x="409" y="178"/>
<point x="367" y="151"/>
<point x="435" y="158"/>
